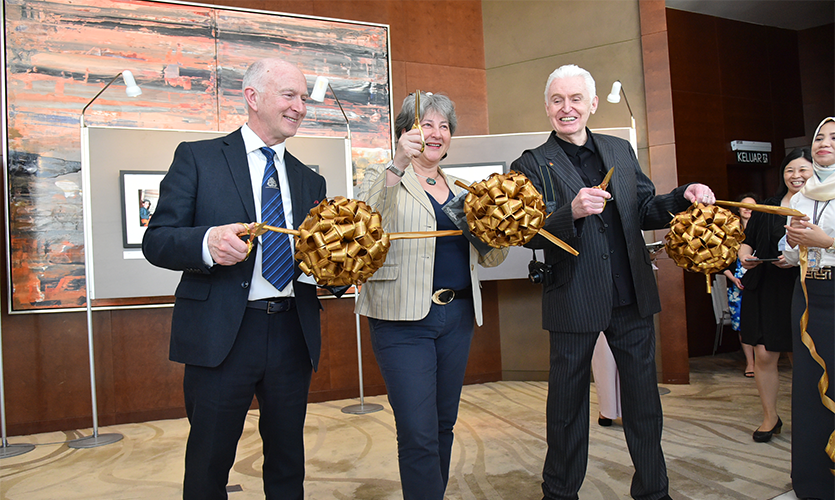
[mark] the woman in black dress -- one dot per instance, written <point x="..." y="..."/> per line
<point x="766" y="304"/>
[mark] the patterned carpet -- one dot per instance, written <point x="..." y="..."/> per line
<point x="498" y="452"/>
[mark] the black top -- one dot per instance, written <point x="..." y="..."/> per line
<point x="586" y="160"/>
<point x="452" y="253"/>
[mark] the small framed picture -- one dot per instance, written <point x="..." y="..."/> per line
<point x="140" y="193"/>
<point x="475" y="172"/>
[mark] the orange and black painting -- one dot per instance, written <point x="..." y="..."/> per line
<point x="189" y="61"/>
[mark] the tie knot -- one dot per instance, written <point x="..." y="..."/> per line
<point x="268" y="153"/>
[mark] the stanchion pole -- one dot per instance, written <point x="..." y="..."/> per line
<point x="8" y="450"/>
<point x="361" y="408"/>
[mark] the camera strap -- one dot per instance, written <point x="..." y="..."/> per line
<point x="549" y="195"/>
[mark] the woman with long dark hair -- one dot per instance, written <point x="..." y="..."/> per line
<point x="765" y="318"/>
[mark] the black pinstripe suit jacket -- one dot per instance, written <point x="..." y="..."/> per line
<point x="580" y="297"/>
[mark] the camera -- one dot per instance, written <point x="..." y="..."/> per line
<point x="539" y="272"/>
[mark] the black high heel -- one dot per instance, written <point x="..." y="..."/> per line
<point x="765" y="436"/>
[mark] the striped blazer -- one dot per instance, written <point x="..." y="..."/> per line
<point x="401" y="290"/>
<point x="580" y="297"/>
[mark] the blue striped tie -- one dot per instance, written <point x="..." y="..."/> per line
<point x="276" y="255"/>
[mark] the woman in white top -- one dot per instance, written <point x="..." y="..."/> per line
<point x="813" y="424"/>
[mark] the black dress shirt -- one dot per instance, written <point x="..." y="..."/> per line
<point x="590" y="167"/>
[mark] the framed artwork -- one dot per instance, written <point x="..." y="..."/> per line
<point x="475" y="172"/>
<point x="140" y="192"/>
<point x="189" y="60"/>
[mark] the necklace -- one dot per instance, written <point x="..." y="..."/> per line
<point x="429" y="180"/>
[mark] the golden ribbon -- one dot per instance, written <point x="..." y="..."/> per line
<point x="769" y="209"/>
<point x="341" y="241"/>
<point x="704" y="239"/>
<point x="506" y="210"/>
<point x="823" y="383"/>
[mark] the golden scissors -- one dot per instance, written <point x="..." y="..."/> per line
<point x="417" y="121"/>
<point x="603" y="185"/>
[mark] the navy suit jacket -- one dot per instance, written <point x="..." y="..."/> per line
<point x="209" y="185"/>
<point x="580" y="297"/>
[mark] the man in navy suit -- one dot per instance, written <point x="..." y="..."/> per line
<point x="237" y="332"/>
<point x="609" y="286"/>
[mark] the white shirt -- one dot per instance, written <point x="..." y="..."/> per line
<point x="259" y="287"/>
<point x="825" y="220"/>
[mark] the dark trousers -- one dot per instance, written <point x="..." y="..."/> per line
<point x="632" y="340"/>
<point x="423" y="364"/>
<point x="269" y="360"/>
<point x="812" y="422"/>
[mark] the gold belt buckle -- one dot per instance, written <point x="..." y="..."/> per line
<point x="443" y="296"/>
<point x="819" y="274"/>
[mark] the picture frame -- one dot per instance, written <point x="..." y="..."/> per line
<point x="139" y="192"/>
<point x="475" y="172"/>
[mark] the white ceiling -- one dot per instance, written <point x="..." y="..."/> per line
<point x="789" y="14"/>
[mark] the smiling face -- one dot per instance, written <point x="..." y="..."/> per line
<point x="823" y="145"/>
<point x="569" y="107"/>
<point x="745" y="213"/>
<point x="277" y="103"/>
<point x="796" y="173"/>
<point x="436" y="133"/>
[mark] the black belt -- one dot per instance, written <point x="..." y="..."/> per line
<point x="444" y="296"/>
<point x="820" y="273"/>
<point x="273" y="306"/>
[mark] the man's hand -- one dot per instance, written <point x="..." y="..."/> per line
<point x="588" y="201"/>
<point x="225" y="246"/>
<point x="699" y="193"/>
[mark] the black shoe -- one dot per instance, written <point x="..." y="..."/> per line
<point x="604" y="422"/>
<point x="765" y="436"/>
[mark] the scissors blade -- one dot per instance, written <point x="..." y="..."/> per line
<point x="603" y="185"/>
<point x="417" y="121"/>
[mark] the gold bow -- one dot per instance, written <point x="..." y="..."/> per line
<point x="341" y="241"/>
<point x="506" y="210"/>
<point x="704" y="239"/>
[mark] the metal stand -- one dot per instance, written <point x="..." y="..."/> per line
<point x="8" y="450"/>
<point x="361" y="408"/>
<point x="96" y="439"/>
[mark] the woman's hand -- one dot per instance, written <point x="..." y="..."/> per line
<point x="408" y="147"/>
<point x="733" y="279"/>
<point x="781" y="263"/>
<point x="745" y="253"/>
<point x="804" y="233"/>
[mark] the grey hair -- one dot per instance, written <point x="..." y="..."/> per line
<point x="567" y="71"/>
<point x="254" y="76"/>
<point x="440" y="104"/>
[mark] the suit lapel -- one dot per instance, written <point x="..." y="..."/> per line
<point x="294" y="175"/>
<point x="235" y="153"/>
<point x="412" y="185"/>
<point x="562" y="167"/>
<point x="607" y="156"/>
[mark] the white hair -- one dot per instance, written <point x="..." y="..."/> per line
<point x="567" y="71"/>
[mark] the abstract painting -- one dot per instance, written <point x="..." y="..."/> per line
<point x="189" y="60"/>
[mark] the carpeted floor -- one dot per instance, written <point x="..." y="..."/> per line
<point x="498" y="453"/>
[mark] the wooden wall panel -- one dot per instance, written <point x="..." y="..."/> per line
<point x="436" y="46"/>
<point x="730" y="81"/>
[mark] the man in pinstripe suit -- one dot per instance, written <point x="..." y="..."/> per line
<point x="609" y="287"/>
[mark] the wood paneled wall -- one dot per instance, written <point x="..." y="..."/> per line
<point x="730" y="81"/>
<point x="436" y="46"/>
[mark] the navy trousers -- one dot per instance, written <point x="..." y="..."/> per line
<point x="423" y="364"/>
<point x="632" y="340"/>
<point x="269" y="360"/>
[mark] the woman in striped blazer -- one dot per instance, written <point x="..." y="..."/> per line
<point x="421" y="304"/>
